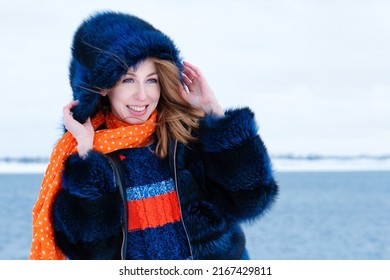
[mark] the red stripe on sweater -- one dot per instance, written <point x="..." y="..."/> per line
<point x="153" y="212"/>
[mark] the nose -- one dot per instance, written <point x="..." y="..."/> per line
<point x="141" y="93"/>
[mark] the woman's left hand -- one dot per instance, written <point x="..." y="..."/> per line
<point x="200" y="94"/>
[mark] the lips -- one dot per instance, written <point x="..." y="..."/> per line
<point x="137" y="108"/>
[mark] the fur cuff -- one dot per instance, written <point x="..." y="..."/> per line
<point x="223" y="133"/>
<point x="89" y="177"/>
<point x="84" y="220"/>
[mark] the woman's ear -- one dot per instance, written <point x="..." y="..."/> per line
<point x="103" y="92"/>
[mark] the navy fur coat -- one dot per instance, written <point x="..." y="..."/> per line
<point x="222" y="180"/>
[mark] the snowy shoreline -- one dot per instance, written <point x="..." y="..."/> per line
<point x="279" y="165"/>
<point x="331" y="165"/>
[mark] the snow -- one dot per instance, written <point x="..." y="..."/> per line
<point x="279" y="165"/>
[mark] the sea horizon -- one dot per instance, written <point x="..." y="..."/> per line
<point x="280" y="163"/>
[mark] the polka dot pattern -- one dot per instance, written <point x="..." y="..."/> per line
<point x="118" y="135"/>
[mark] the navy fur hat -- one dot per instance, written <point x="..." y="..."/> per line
<point x="104" y="47"/>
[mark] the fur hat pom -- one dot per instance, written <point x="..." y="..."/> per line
<point x="104" y="47"/>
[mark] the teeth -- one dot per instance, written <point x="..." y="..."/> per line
<point x="136" y="108"/>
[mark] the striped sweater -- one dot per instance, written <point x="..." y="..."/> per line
<point x="155" y="228"/>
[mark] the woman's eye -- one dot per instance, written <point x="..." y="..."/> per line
<point x="152" y="81"/>
<point x="128" y="80"/>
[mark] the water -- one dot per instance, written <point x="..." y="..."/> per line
<point x="326" y="215"/>
<point x="18" y="194"/>
<point x="318" y="215"/>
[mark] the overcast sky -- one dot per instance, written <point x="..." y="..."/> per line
<point x="316" y="73"/>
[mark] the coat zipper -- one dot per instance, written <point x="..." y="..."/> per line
<point x="124" y="225"/>
<point x="118" y="184"/>
<point x="178" y="198"/>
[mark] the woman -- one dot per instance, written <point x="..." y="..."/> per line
<point x="151" y="166"/>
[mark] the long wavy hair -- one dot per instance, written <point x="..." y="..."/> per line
<point x="176" y="117"/>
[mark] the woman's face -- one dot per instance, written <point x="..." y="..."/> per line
<point x="136" y="95"/>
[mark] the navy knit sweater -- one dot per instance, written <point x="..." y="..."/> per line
<point x="154" y="221"/>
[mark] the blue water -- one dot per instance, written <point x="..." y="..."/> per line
<point x="318" y="215"/>
<point x="326" y="215"/>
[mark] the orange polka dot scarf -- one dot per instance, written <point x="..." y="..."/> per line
<point x="118" y="135"/>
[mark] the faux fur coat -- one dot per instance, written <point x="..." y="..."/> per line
<point x="222" y="180"/>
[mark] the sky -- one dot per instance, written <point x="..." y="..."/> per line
<point x="315" y="73"/>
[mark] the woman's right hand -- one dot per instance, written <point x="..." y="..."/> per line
<point x="83" y="133"/>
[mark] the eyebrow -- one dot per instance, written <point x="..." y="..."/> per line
<point x="133" y="74"/>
